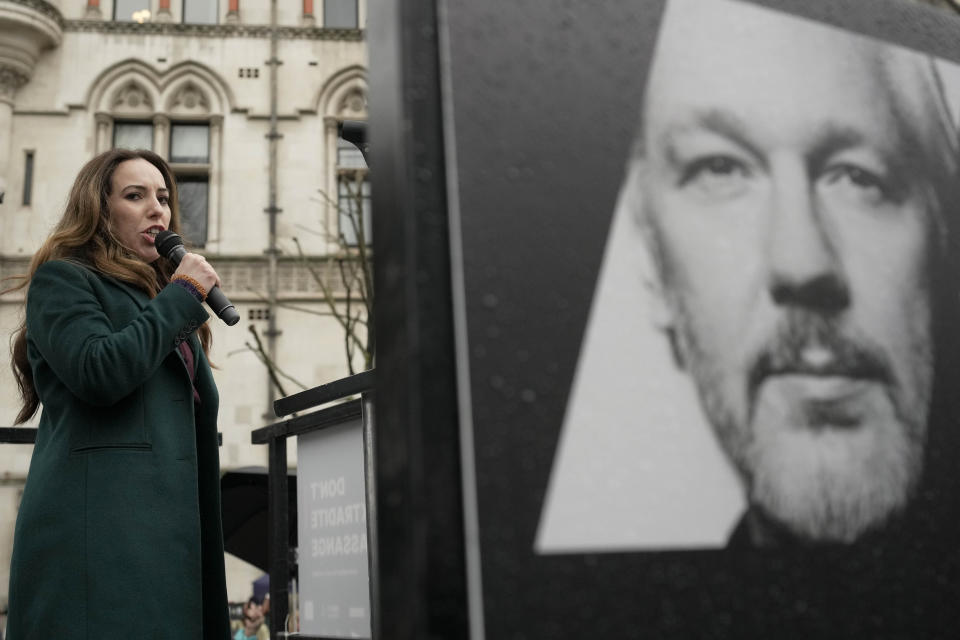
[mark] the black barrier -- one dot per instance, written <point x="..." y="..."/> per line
<point x="18" y="435"/>
<point x="281" y="556"/>
<point x="28" y="435"/>
<point x="423" y="575"/>
<point x="330" y="392"/>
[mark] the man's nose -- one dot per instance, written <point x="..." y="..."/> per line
<point x="804" y="267"/>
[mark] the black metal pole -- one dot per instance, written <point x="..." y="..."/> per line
<point x="278" y="538"/>
<point x="370" y="475"/>
<point x="421" y="576"/>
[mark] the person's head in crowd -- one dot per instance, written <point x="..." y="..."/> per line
<point x="252" y="618"/>
<point x="792" y="181"/>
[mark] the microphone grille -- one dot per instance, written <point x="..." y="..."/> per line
<point x="166" y="241"/>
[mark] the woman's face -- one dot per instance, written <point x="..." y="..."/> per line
<point x="139" y="206"/>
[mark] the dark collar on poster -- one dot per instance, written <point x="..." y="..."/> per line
<point x="756" y="530"/>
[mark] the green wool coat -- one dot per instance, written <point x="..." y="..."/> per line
<point x="119" y="532"/>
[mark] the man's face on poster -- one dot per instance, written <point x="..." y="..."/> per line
<point x="792" y="227"/>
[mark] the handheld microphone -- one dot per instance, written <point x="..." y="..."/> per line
<point x="169" y="244"/>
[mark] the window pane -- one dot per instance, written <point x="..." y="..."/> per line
<point x="340" y="14"/>
<point x="348" y="156"/>
<point x="193" y="192"/>
<point x="190" y="143"/>
<point x="133" y="135"/>
<point x="200" y="11"/>
<point x="131" y="10"/>
<point x="350" y="208"/>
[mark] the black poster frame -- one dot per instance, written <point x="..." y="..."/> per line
<point x="428" y="586"/>
<point x="421" y="591"/>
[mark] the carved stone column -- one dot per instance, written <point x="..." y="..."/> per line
<point x="233" y="12"/>
<point x="161" y="136"/>
<point x="25" y="31"/>
<point x="214" y="219"/>
<point x="10" y="80"/>
<point x="93" y="10"/>
<point x="163" y="12"/>
<point x="308" y="19"/>
<point x="104" y="125"/>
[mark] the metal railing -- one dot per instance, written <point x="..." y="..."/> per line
<point x="18" y="435"/>
<point x="28" y="435"/>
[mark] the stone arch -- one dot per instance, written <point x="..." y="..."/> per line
<point x="344" y="95"/>
<point x="131" y="97"/>
<point x="187" y="98"/>
<point x="130" y="86"/>
<point x="159" y="89"/>
<point x="189" y="86"/>
<point x="352" y="104"/>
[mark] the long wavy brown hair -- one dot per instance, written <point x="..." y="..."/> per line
<point x="84" y="234"/>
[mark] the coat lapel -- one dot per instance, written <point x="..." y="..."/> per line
<point x="141" y="299"/>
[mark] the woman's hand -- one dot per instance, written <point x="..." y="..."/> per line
<point x="196" y="266"/>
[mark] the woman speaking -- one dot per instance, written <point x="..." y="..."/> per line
<point x="119" y="532"/>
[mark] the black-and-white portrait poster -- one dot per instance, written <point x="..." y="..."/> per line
<point x="707" y="253"/>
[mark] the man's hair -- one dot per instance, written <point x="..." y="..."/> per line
<point x="930" y="144"/>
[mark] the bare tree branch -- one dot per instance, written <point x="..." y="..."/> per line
<point x="327" y="294"/>
<point x="272" y="369"/>
<point x="351" y="265"/>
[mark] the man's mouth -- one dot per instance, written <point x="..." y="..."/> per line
<point x="820" y="384"/>
<point x="830" y="388"/>
<point x="830" y="369"/>
<point x="820" y="401"/>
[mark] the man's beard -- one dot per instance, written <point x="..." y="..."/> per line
<point x="822" y="483"/>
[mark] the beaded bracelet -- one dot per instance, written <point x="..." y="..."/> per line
<point x="190" y="283"/>
<point x="186" y="286"/>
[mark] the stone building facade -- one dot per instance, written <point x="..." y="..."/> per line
<point x="243" y="97"/>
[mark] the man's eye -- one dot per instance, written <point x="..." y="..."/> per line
<point x="855" y="176"/>
<point x="717" y="175"/>
<point x="854" y="182"/>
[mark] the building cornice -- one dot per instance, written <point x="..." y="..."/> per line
<point x="244" y="277"/>
<point x="210" y="30"/>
